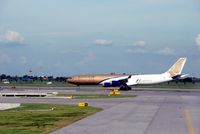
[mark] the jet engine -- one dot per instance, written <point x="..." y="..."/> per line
<point x="112" y="84"/>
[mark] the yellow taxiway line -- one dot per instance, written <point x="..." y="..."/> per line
<point x="191" y="130"/>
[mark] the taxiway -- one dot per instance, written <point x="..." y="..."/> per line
<point x="151" y="112"/>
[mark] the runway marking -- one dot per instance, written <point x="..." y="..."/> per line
<point x="191" y="130"/>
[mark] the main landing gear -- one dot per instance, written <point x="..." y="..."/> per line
<point x="124" y="88"/>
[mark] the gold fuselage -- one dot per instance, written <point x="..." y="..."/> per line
<point x="91" y="79"/>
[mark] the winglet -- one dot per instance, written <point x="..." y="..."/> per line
<point x="177" y="68"/>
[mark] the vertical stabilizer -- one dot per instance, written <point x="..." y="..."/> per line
<point x="177" y="68"/>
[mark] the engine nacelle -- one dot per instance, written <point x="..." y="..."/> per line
<point x="112" y="84"/>
<point x="107" y="84"/>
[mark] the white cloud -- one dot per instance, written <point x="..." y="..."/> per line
<point x="103" y="42"/>
<point x="140" y="43"/>
<point x="198" y="40"/>
<point x="167" y="51"/>
<point x="12" y="37"/>
<point x="164" y="51"/>
<point x="4" y="59"/>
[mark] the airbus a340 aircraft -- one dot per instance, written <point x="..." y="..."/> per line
<point x="124" y="81"/>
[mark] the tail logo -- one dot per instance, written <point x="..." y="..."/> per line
<point x="177" y="68"/>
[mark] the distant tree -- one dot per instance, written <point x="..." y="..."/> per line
<point x="3" y="76"/>
<point x="8" y="77"/>
<point x="35" y="78"/>
<point x="41" y="79"/>
<point x="50" y="78"/>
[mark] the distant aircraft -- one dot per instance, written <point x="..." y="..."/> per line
<point x="124" y="81"/>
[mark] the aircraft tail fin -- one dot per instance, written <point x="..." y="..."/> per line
<point x="177" y="68"/>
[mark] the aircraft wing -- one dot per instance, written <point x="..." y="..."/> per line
<point x="115" y="81"/>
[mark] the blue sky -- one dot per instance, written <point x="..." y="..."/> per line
<point x="65" y="37"/>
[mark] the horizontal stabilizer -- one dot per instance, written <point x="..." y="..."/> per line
<point x="184" y="76"/>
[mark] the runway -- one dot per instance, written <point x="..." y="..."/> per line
<point x="146" y="114"/>
<point x="151" y="112"/>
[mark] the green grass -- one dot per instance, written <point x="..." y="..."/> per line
<point x="172" y="85"/>
<point x="97" y="96"/>
<point x="38" y="118"/>
<point x="65" y="84"/>
<point x="37" y="83"/>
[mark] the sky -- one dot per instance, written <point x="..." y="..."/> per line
<point x="68" y="37"/>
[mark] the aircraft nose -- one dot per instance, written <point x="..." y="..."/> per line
<point x="69" y="79"/>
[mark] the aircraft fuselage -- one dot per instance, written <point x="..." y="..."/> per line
<point x="91" y="79"/>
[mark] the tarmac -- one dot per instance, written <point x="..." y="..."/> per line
<point x="151" y="112"/>
<point x="5" y="106"/>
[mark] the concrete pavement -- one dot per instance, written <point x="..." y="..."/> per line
<point x="142" y="115"/>
<point x="152" y="112"/>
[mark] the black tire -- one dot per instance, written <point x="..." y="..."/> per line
<point x="124" y="88"/>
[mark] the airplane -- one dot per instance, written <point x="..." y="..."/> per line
<point x="124" y="81"/>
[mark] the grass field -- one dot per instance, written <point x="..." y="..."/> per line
<point x="65" y="84"/>
<point x="172" y="85"/>
<point x="40" y="118"/>
<point x="37" y="83"/>
<point x="96" y="96"/>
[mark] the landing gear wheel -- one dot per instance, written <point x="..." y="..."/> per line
<point x="124" y="88"/>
